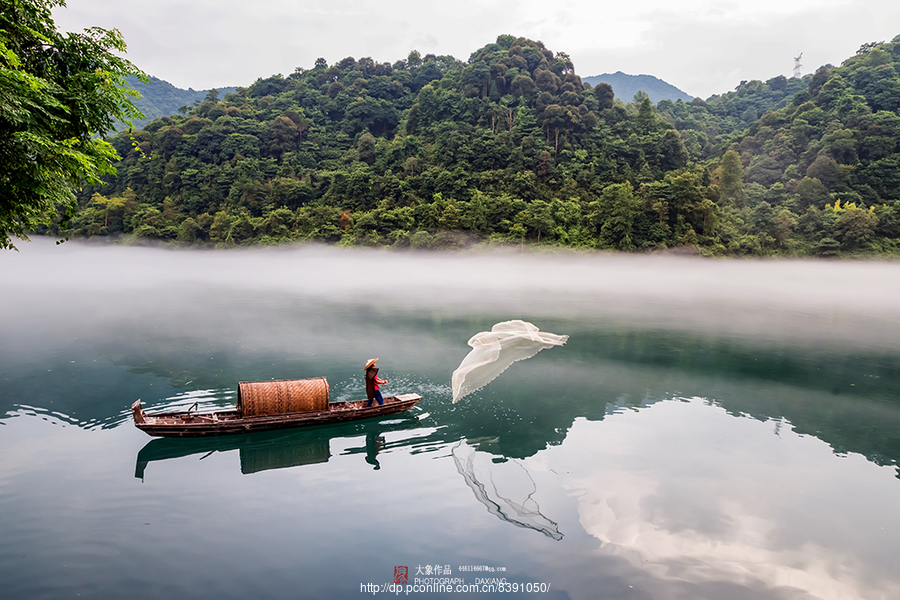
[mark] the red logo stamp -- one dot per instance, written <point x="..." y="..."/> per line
<point x="401" y="575"/>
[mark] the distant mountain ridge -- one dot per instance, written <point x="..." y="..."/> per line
<point x="626" y="86"/>
<point x="159" y="98"/>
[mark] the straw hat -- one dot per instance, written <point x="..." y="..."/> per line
<point x="370" y="363"/>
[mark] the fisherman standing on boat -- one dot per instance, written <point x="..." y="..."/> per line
<point x="372" y="382"/>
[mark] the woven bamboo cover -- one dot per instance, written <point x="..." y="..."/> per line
<point x="260" y="398"/>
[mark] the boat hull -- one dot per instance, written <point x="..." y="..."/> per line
<point x="226" y="422"/>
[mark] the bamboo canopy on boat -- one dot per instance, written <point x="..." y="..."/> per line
<point x="260" y="398"/>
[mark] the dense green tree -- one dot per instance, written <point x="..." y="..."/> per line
<point x="58" y="91"/>
<point x="615" y="216"/>
<point x="854" y="227"/>
<point x="731" y="180"/>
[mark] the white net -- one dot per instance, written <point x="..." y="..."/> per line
<point x="495" y="350"/>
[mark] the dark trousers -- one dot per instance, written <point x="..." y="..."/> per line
<point x="378" y="397"/>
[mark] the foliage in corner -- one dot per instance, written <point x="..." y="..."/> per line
<point x="57" y="92"/>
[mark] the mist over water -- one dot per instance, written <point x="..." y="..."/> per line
<point x="85" y="287"/>
<point x="711" y="428"/>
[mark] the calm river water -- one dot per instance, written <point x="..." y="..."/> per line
<point x="712" y="429"/>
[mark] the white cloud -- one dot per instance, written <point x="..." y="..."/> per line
<point x="692" y="494"/>
<point x="701" y="46"/>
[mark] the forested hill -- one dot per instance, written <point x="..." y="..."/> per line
<point x="511" y="146"/>
<point x="825" y="168"/>
<point x="627" y="86"/>
<point x="709" y="127"/>
<point x="160" y="98"/>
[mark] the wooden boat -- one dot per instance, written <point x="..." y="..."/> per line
<point x="269" y="405"/>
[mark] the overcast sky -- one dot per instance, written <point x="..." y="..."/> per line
<point x="704" y="47"/>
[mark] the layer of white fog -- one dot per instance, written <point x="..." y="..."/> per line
<point x="74" y="286"/>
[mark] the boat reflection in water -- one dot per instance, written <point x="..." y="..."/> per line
<point x="280" y="449"/>
<point x="259" y="451"/>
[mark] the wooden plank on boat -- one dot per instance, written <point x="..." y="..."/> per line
<point x="188" y="424"/>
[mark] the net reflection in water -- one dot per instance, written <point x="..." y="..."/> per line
<point x="505" y="488"/>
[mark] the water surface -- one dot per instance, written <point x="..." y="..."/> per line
<point x="712" y="429"/>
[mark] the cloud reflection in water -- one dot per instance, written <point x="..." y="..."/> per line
<point x="693" y="494"/>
